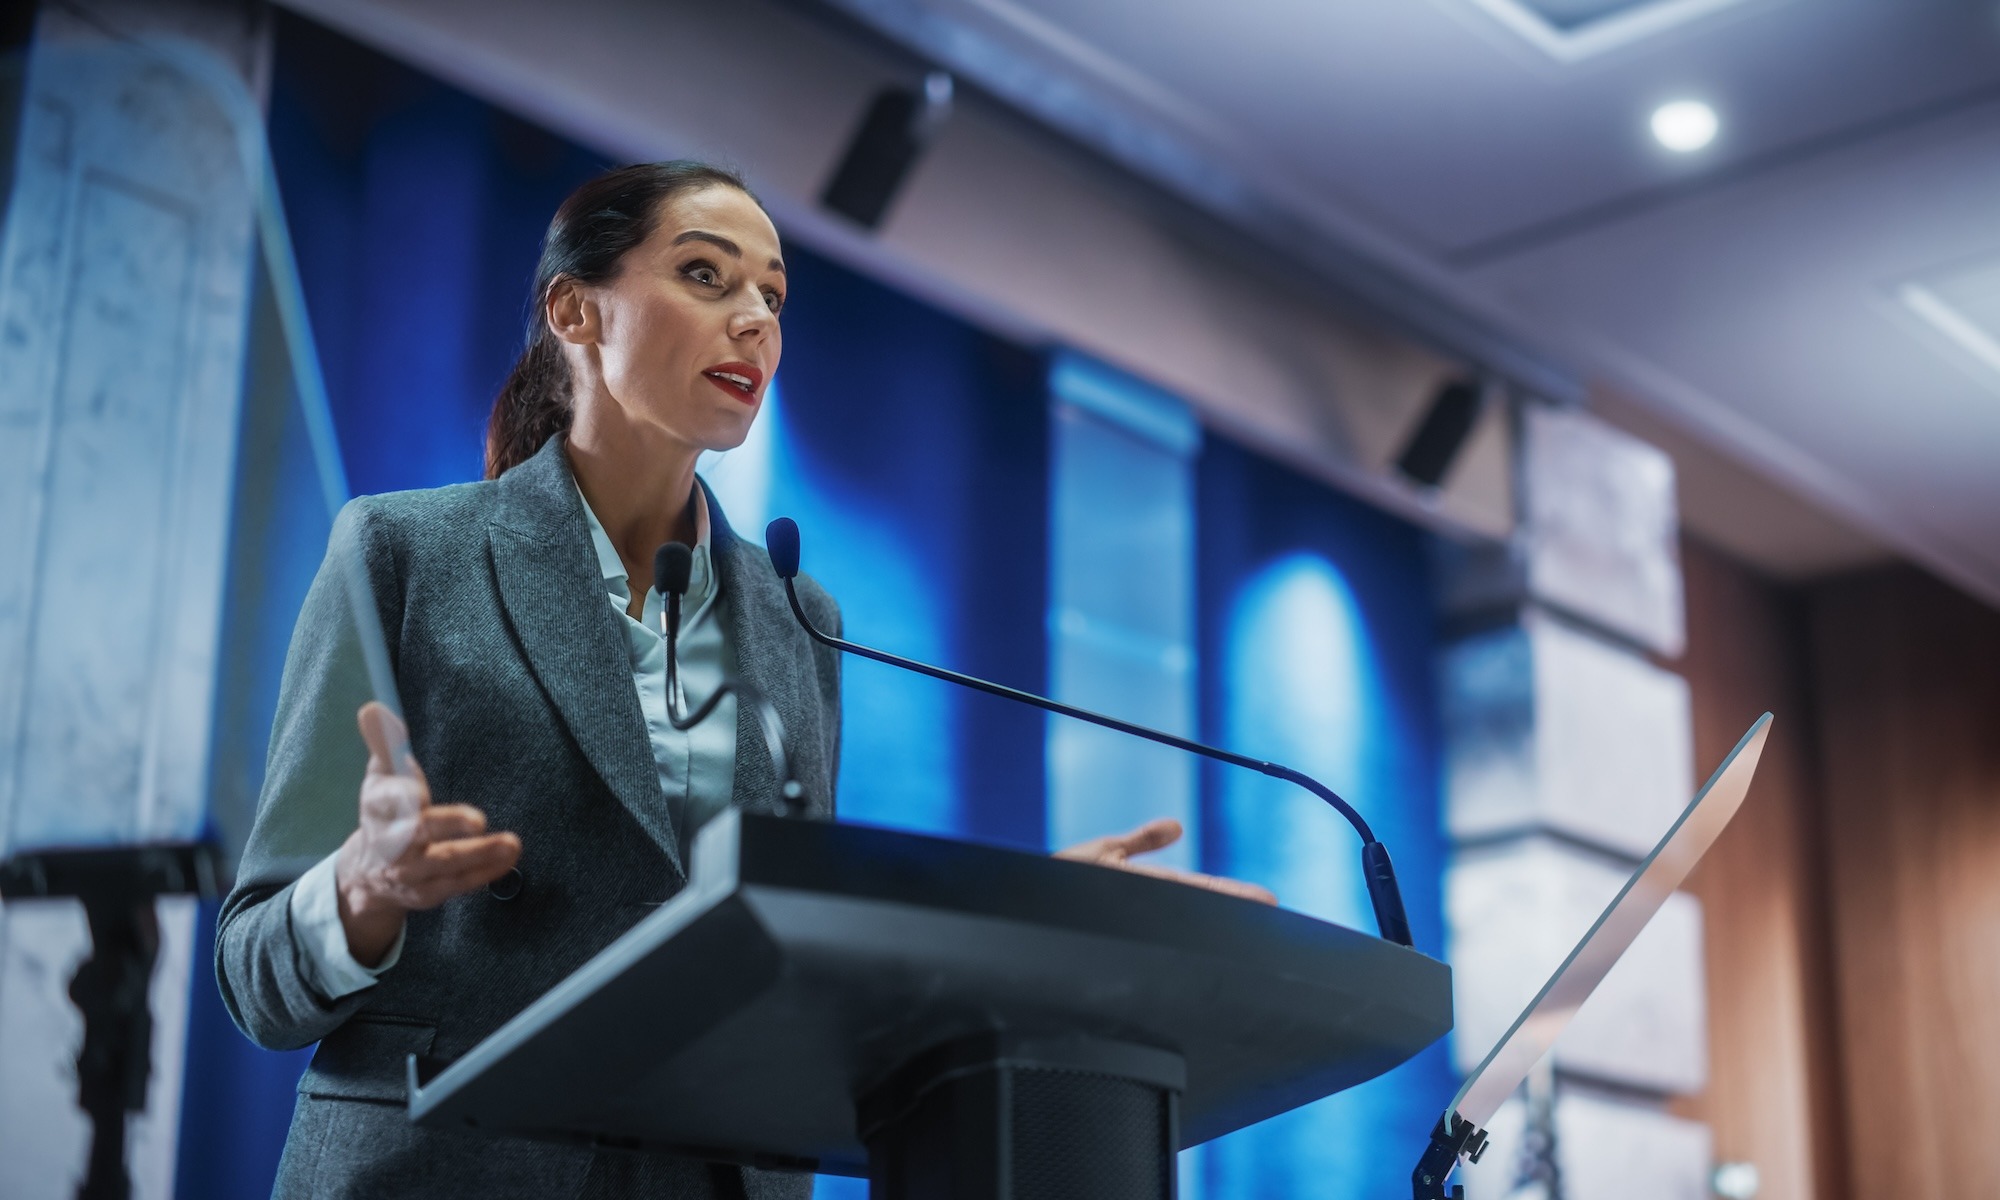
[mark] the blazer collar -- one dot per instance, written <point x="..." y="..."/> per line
<point x="553" y="592"/>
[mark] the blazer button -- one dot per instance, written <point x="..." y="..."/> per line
<point x="507" y="886"/>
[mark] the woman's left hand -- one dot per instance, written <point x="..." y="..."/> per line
<point x="1117" y="851"/>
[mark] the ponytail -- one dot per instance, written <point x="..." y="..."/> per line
<point x="532" y="407"/>
<point x="587" y="241"/>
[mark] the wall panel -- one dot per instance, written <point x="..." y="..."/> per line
<point x="1908" y="674"/>
<point x="1772" y="1096"/>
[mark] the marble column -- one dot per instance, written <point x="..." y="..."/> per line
<point x="125" y="276"/>
<point x="1569" y="752"/>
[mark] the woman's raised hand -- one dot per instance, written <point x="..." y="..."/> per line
<point x="407" y="854"/>
<point x="1117" y="851"/>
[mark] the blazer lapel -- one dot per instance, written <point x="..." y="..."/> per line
<point x="770" y="650"/>
<point x="553" y="593"/>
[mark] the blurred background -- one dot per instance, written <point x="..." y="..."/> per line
<point x="1487" y="406"/>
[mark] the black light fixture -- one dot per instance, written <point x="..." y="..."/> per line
<point x="898" y="128"/>
<point x="1435" y="444"/>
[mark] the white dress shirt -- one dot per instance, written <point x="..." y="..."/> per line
<point x="697" y="768"/>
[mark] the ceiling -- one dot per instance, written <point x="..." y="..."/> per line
<point x="1815" y="294"/>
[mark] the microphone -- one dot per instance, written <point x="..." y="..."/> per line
<point x="782" y="539"/>
<point x="673" y="568"/>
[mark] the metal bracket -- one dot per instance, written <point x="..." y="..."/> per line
<point x="1452" y="1138"/>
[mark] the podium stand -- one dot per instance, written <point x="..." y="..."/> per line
<point x="949" y="1020"/>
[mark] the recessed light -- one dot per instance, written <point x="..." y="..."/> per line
<point x="1684" y="126"/>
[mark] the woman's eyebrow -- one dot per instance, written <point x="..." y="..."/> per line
<point x="715" y="239"/>
<point x="728" y="247"/>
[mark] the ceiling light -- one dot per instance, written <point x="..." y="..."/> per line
<point x="1684" y="126"/>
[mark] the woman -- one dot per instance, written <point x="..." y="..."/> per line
<point x="533" y="707"/>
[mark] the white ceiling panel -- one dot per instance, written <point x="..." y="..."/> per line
<point x="1814" y="293"/>
<point x="1773" y="303"/>
<point x="1438" y="123"/>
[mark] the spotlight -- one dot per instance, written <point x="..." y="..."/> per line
<point x="1684" y="126"/>
<point x="1432" y="449"/>
<point x="898" y="127"/>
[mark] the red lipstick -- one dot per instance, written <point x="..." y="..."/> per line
<point x="739" y="379"/>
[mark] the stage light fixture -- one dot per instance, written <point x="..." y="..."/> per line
<point x="1685" y="126"/>
<point x="898" y="127"/>
<point x="1442" y="433"/>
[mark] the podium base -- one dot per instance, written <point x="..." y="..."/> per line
<point x="1005" y="1117"/>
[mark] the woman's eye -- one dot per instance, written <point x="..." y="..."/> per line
<point x="774" y="300"/>
<point x="703" y="273"/>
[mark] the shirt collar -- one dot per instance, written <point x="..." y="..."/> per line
<point x="700" y="579"/>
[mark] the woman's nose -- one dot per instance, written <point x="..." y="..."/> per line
<point x="753" y="322"/>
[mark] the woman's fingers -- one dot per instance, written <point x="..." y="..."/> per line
<point x="408" y="854"/>
<point x="1214" y="883"/>
<point x="442" y="822"/>
<point x="448" y="869"/>
<point x="393" y="797"/>
<point x="1094" y="850"/>
<point x="441" y="859"/>
<point x="386" y="737"/>
<point x="1153" y="835"/>
<point x="381" y="731"/>
<point x="1118" y="849"/>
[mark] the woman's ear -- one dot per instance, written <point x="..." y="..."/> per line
<point x="571" y="313"/>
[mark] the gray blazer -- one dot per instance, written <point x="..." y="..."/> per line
<point x="519" y="699"/>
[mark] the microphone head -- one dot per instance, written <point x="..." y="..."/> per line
<point x="781" y="537"/>
<point x="673" y="564"/>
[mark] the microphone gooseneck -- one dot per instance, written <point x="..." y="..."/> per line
<point x="1378" y="873"/>
<point x="673" y="570"/>
<point x="791" y="793"/>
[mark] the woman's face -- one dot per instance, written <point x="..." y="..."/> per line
<point x="686" y="334"/>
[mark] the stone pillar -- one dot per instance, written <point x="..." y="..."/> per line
<point x="125" y="275"/>
<point x="1569" y="752"/>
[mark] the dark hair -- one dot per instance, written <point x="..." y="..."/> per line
<point x="587" y="241"/>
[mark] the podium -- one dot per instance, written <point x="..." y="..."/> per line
<point x="947" y="1019"/>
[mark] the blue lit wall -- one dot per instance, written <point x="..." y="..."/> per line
<point x="1316" y="649"/>
<point x="417" y="214"/>
<point x="912" y="450"/>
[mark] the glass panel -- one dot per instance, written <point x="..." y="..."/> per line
<point x="1121" y="606"/>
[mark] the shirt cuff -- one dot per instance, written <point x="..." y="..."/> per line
<point x="322" y="944"/>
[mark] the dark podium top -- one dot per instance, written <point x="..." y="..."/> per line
<point x="807" y="961"/>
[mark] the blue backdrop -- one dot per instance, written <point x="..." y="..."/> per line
<point x="914" y="450"/>
<point x="1317" y="638"/>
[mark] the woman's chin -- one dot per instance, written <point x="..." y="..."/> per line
<point x="728" y="435"/>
